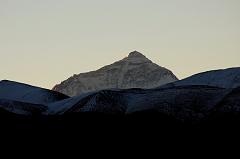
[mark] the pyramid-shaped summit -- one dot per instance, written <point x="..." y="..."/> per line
<point x="134" y="71"/>
<point x="137" y="57"/>
<point x="136" y="54"/>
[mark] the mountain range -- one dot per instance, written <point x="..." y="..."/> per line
<point x="130" y="86"/>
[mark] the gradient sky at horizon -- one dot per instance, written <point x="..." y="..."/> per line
<point x="43" y="42"/>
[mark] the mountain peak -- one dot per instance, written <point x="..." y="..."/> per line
<point x="134" y="71"/>
<point x="136" y="54"/>
<point x="137" y="57"/>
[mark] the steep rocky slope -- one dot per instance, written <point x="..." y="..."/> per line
<point x="134" y="71"/>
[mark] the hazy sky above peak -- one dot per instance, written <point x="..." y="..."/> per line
<point x="43" y="42"/>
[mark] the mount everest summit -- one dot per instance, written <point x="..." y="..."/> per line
<point x="134" y="71"/>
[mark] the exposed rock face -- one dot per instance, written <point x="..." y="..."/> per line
<point x="134" y="71"/>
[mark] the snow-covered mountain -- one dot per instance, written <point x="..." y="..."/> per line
<point x="21" y="98"/>
<point x="181" y="102"/>
<point x="193" y="99"/>
<point x="134" y="71"/>
<point x="25" y="93"/>
<point x="191" y="103"/>
<point x="226" y="78"/>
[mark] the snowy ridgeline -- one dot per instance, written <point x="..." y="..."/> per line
<point x="25" y="99"/>
<point x="195" y="97"/>
<point x="29" y="94"/>
<point x="228" y="78"/>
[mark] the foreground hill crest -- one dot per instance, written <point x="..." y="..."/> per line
<point x="134" y="71"/>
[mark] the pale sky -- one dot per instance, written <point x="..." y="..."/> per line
<point x="43" y="42"/>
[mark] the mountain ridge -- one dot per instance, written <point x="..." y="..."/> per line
<point x="224" y="78"/>
<point x="22" y="92"/>
<point x="184" y="102"/>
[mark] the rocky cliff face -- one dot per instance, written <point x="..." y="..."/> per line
<point x="134" y="71"/>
